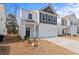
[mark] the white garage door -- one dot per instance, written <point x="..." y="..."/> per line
<point x="46" y="30"/>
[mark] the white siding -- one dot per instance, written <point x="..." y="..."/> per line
<point x="3" y="21"/>
<point x="24" y="14"/>
<point x="22" y="29"/>
<point x="73" y="30"/>
<point x="24" y="24"/>
<point x="59" y="26"/>
<point x="43" y="30"/>
<point x="47" y="30"/>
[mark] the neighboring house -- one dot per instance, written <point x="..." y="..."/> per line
<point x="38" y="23"/>
<point x="77" y="26"/>
<point x="68" y="25"/>
<point x="2" y="20"/>
<point x="59" y="26"/>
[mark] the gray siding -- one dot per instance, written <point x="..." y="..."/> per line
<point x="48" y="10"/>
<point x="53" y="19"/>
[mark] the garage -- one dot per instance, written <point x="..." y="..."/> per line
<point x="47" y="30"/>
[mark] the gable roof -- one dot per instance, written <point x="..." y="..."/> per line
<point x="67" y="17"/>
<point x="50" y="7"/>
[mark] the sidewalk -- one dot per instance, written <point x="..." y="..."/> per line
<point x="64" y="42"/>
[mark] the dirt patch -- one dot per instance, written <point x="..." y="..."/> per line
<point x="44" y="48"/>
<point x="14" y="46"/>
<point x="4" y="50"/>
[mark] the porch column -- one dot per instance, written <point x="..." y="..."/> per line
<point x="34" y="31"/>
<point x="65" y="32"/>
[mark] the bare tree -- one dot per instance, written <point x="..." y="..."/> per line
<point x="11" y="24"/>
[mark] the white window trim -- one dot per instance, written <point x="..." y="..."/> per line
<point x="75" y="24"/>
<point x="42" y="17"/>
<point x="54" y="19"/>
<point x="72" y="23"/>
<point x="28" y="15"/>
<point x="48" y="18"/>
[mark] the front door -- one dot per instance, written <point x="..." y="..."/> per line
<point x="63" y="32"/>
<point x="28" y="32"/>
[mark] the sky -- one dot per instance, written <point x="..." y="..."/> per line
<point x="62" y="9"/>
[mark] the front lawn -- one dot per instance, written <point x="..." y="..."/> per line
<point x="23" y="48"/>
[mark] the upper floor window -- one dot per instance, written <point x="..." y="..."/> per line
<point x="71" y="23"/>
<point x="74" y="23"/>
<point x="46" y="18"/>
<point x="49" y="18"/>
<point x="29" y="16"/>
<point x="43" y="17"/>
<point x="54" y="19"/>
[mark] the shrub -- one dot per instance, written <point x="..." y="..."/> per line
<point x="26" y="37"/>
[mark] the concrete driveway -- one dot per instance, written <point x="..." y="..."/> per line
<point x="72" y="45"/>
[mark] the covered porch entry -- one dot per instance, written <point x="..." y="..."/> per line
<point x="31" y="30"/>
<point x="65" y="31"/>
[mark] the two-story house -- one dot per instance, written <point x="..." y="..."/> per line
<point x="2" y="20"/>
<point x="38" y="23"/>
<point x="78" y="27"/>
<point x="68" y="25"/>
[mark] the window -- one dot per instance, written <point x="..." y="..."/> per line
<point x="49" y="18"/>
<point x="54" y="19"/>
<point x="71" y="23"/>
<point x="30" y="16"/>
<point x="74" y="23"/>
<point x="43" y="17"/>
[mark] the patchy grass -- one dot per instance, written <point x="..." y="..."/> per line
<point x="17" y="47"/>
